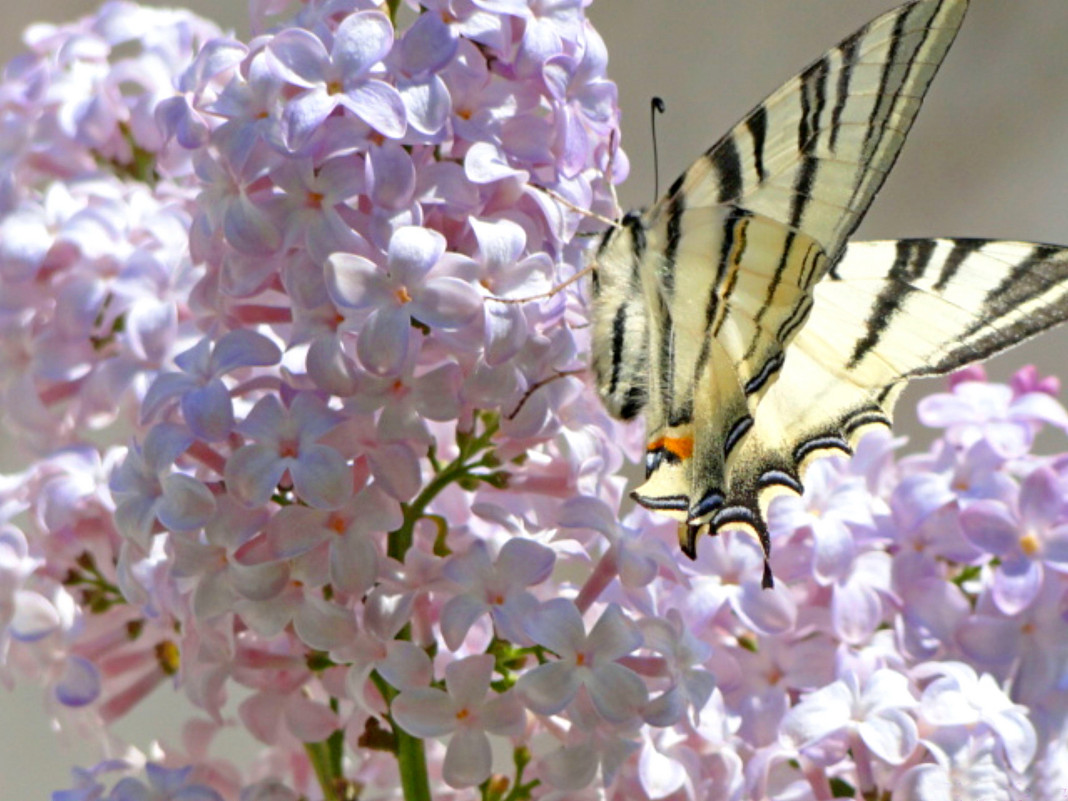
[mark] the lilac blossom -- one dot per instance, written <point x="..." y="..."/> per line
<point x="344" y="76"/>
<point x="965" y="768"/>
<point x="147" y="490"/>
<point x="163" y="784"/>
<point x="464" y="711"/>
<point x="684" y="654"/>
<point x="1026" y="647"/>
<point x="634" y="558"/>
<point x="727" y="576"/>
<point x="427" y="46"/>
<point x="408" y="400"/>
<point x="16" y="565"/>
<point x="758" y="685"/>
<point x="205" y="399"/>
<point x="591" y="745"/>
<point x="976" y="410"/>
<point x="286" y="441"/>
<point x="956" y="696"/>
<point x="403" y="292"/>
<point x="347" y="531"/>
<point x="211" y="561"/>
<point x="376" y="648"/>
<point x="871" y="716"/>
<point x="284" y="708"/>
<point x="1026" y="540"/>
<point x="495" y="587"/>
<point x="587" y="99"/>
<point x="586" y="661"/>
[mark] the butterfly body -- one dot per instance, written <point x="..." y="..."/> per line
<point x="754" y="337"/>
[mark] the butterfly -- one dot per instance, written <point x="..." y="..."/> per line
<point x="753" y="335"/>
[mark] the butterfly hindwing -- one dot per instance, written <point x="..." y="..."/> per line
<point x="740" y="288"/>
<point x="889" y="312"/>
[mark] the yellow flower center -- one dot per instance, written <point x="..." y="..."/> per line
<point x="1030" y="544"/>
<point x="168" y="656"/>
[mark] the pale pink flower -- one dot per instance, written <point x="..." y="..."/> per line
<point x="464" y="711"/>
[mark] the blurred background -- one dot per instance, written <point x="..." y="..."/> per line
<point x="988" y="156"/>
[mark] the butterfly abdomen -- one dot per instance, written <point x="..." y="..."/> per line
<point x="620" y="320"/>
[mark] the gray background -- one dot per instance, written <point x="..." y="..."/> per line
<point x="987" y="157"/>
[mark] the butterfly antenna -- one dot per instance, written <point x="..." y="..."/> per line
<point x="539" y="384"/>
<point x="567" y="204"/>
<point x="589" y="268"/>
<point x="656" y="105"/>
<point x="609" y="173"/>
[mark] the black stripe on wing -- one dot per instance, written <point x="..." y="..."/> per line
<point x="757" y="125"/>
<point x="727" y="164"/>
<point x="848" y="51"/>
<point x="962" y="249"/>
<point x="913" y="257"/>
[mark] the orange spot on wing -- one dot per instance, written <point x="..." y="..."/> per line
<point x="682" y="447"/>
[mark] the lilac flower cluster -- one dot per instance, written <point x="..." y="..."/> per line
<point x="380" y="500"/>
<point x="95" y="209"/>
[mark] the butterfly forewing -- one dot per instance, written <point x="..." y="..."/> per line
<point x="813" y="155"/>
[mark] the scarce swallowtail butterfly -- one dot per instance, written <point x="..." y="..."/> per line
<point x="736" y="315"/>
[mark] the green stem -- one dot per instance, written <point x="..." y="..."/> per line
<point x="411" y="761"/>
<point x="319" y="756"/>
<point x="401" y="539"/>
<point x="411" y="755"/>
<point x="393" y="5"/>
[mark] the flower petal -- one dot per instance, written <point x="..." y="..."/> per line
<point x="525" y="562"/>
<point x="252" y="473"/>
<point x="548" y="688"/>
<point x="322" y="477"/>
<point x="361" y="41"/>
<point x="425" y="712"/>
<point x="379" y="105"/>
<point x="617" y="692"/>
<point x="383" y="343"/>
<point x="891" y="734"/>
<point x="80" y="683"/>
<point x="355" y="282"/>
<point x="458" y="616"/>
<point x="991" y="526"/>
<point x="467" y="680"/>
<point x="468" y="759"/>
<point x="613" y="635"/>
